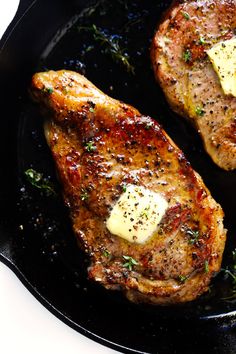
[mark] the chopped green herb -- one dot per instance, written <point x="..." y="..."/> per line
<point x="124" y="188"/>
<point x="182" y="278"/>
<point x="48" y="90"/>
<point x="202" y="40"/>
<point x="187" y="55"/>
<point x="144" y="213"/>
<point x="206" y="267"/>
<point x="186" y="15"/>
<point x="84" y="194"/>
<point x="193" y="236"/>
<point x="90" y="147"/>
<point x="111" y="46"/>
<point x="37" y="180"/>
<point x="130" y="262"/>
<point x="106" y="253"/>
<point x="92" y="106"/>
<point x="148" y="125"/>
<point x="199" y="111"/>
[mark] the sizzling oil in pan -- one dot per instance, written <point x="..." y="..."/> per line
<point x="94" y="43"/>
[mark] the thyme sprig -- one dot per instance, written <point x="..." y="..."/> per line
<point x="129" y="262"/>
<point x="230" y="273"/>
<point x="90" y="10"/>
<point x="111" y="46"/>
<point x="36" y="179"/>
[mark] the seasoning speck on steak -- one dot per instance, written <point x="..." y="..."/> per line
<point x="187" y="76"/>
<point x="100" y="147"/>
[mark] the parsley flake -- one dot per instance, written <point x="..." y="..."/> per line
<point x="124" y="188"/>
<point x="193" y="236"/>
<point x="106" y="253"/>
<point x="186" y="15"/>
<point x="48" y="90"/>
<point x="90" y="147"/>
<point x="202" y="40"/>
<point x="206" y="267"/>
<point x="187" y="55"/>
<point x="148" y="125"/>
<point x="182" y="278"/>
<point x="199" y="111"/>
<point x="144" y="213"/>
<point x="130" y="262"/>
<point x="84" y="194"/>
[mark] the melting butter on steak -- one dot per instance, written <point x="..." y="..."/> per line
<point x="120" y="168"/>
<point x="191" y="85"/>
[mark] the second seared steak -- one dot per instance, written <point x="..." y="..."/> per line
<point x="186" y="74"/>
<point x="167" y="242"/>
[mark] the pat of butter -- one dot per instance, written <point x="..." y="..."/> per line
<point x="136" y="214"/>
<point x="223" y="58"/>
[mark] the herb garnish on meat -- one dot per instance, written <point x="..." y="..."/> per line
<point x="130" y="262"/>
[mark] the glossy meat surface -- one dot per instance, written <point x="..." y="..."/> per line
<point x="186" y="74"/>
<point x="101" y="145"/>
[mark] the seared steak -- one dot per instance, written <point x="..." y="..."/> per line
<point x="104" y="148"/>
<point x="186" y="74"/>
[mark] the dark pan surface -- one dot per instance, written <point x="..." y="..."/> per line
<point x="36" y="237"/>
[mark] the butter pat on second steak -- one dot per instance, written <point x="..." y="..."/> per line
<point x="188" y="77"/>
<point x="223" y="58"/>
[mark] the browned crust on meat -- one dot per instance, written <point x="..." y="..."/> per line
<point x="177" y="262"/>
<point x="190" y="82"/>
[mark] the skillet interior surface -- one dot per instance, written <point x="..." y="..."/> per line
<point x="36" y="237"/>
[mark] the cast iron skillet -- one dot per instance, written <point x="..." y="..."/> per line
<point x="36" y="240"/>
